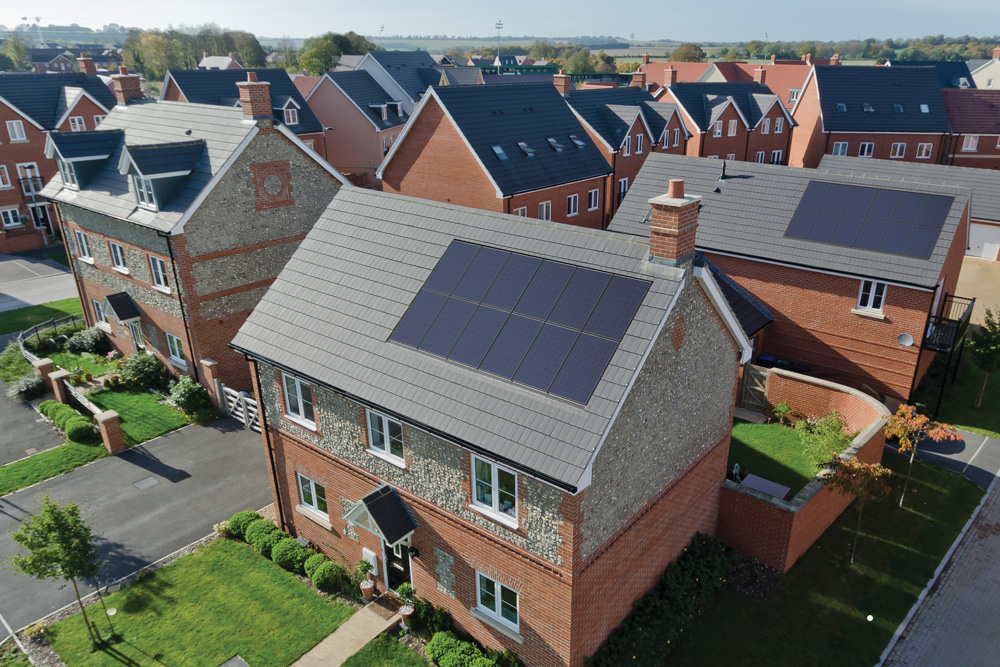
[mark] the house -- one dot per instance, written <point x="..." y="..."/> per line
<point x="361" y="120"/>
<point x="471" y="401"/>
<point x="221" y="87"/>
<point x="986" y="73"/>
<point x="984" y="210"/>
<point x="462" y="76"/>
<point x="974" y="117"/>
<point x="347" y="62"/>
<point x="31" y="107"/>
<point x="668" y="73"/>
<point x="516" y="77"/>
<point x="733" y="121"/>
<point x="896" y="113"/>
<point x="47" y="60"/>
<point x="626" y="124"/>
<point x="181" y="215"/>
<point x="514" y="148"/>
<point x="446" y="60"/>
<point x="219" y="62"/>
<point x="859" y="273"/>
<point x="951" y="74"/>
<point x="405" y="75"/>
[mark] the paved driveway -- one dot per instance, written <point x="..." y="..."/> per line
<point x="31" y="279"/>
<point x="22" y="430"/>
<point x="980" y="278"/>
<point x="144" y="504"/>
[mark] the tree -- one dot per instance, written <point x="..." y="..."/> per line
<point x="687" y="53"/>
<point x="59" y="545"/>
<point x="911" y="429"/>
<point x="756" y="48"/>
<point x="985" y="349"/>
<point x="865" y="481"/>
<point x="16" y="49"/>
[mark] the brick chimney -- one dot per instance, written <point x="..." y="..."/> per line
<point x="638" y="80"/>
<point x="996" y="53"/>
<point x="562" y="83"/>
<point x="673" y="225"/>
<point x="645" y="58"/>
<point x="86" y="65"/>
<point x="204" y="54"/>
<point x="255" y="98"/>
<point x="125" y="86"/>
<point x="232" y="55"/>
<point x="808" y="58"/>
<point x="835" y="60"/>
<point x="670" y="76"/>
<point x="774" y="58"/>
<point x="759" y="75"/>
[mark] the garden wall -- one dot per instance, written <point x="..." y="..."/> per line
<point x="778" y="532"/>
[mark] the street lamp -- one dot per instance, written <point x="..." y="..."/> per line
<point x="499" y="27"/>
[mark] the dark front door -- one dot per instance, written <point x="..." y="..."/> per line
<point x="397" y="565"/>
<point x="42" y="219"/>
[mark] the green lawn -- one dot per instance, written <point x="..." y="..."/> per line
<point x="60" y="257"/>
<point x="817" y="614"/>
<point x="49" y="463"/>
<point x="776" y="453"/>
<point x="385" y="651"/>
<point x="956" y="408"/>
<point x="97" y="364"/>
<point x="11" y="656"/>
<point x="142" y="416"/>
<point x="20" y="319"/>
<point x="203" y="609"/>
<point x="12" y="363"/>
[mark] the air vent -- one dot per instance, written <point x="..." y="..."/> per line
<point x="841" y="107"/>
<point x="868" y="107"/>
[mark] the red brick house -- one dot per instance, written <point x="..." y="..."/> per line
<point x="895" y="113"/>
<point x="668" y="73"/>
<point x="177" y="218"/>
<point x="46" y="61"/>
<point x="974" y="116"/>
<point x="511" y="148"/>
<point x="465" y="428"/>
<point x="31" y="107"/>
<point x="859" y="273"/>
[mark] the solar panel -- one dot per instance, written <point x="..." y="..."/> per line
<point x="870" y="237"/>
<point x="922" y="242"/>
<point x="451" y="266"/>
<point x="583" y="368"/>
<point x="510" y="346"/>
<point x="509" y="285"/>
<point x="935" y="211"/>
<point x="814" y="195"/>
<point x="448" y="326"/>
<point x="860" y="201"/>
<point x="546" y="356"/>
<point x="616" y="309"/>
<point x="544" y="289"/>
<point x="824" y="226"/>
<point x="837" y="198"/>
<point x="884" y="204"/>
<point x="481" y="274"/>
<point x="479" y="334"/>
<point x="896" y="237"/>
<point x="802" y="221"/>
<point x="579" y="298"/>
<point x="418" y="318"/>
<point x="847" y="231"/>
<point x="909" y="207"/>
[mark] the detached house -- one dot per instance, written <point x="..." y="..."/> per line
<point x="974" y="116"/>
<point x="859" y="273"/>
<point x="219" y="62"/>
<point x="404" y="75"/>
<point x="178" y="217"/>
<point x="514" y="148"/>
<point x="31" y="107"/>
<point x="986" y="73"/>
<point x="45" y="61"/>
<point x="471" y="401"/>
<point x="895" y="113"/>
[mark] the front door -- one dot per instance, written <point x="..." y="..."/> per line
<point x="136" y="330"/>
<point x="397" y="565"/>
<point x="40" y="214"/>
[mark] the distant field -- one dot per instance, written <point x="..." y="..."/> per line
<point x="442" y="45"/>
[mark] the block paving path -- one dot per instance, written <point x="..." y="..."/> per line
<point x="348" y="639"/>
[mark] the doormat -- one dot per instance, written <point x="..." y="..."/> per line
<point x="386" y="606"/>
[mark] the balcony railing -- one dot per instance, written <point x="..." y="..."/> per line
<point x="946" y="330"/>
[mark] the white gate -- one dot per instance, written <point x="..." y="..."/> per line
<point x="242" y="407"/>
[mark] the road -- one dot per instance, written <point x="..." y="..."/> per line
<point x="29" y="279"/>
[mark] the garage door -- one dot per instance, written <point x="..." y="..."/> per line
<point x="984" y="241"/>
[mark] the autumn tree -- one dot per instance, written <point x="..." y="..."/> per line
<point x="687" y="52"/>
<point x="985" y="348"/>
<point x="865" y="481"/>
<point x="16" y="49"/>
<point x="911" y="429"/>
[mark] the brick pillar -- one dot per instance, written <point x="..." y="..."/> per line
<point x="111" y="432"/>
<point x="125" y="86"/>
<point x="669" y="76"/>
<point x="645" y="58"/>
<point x="673" y="225"/>
<point x="638" y="80"/>
<point x="214" y="385"/>
<point x="44" y="368"/>
<point x="58" y="388"/>
<point x="86" y="65"/>
<point x="562" y="83"/>
<point x="760" y="75"/>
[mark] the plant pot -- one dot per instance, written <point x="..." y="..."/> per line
<point x="90" y="378"/>
<point x="406" y="611"/>
<point x="368" y="589"/>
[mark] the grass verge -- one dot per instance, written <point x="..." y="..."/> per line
<point x="817" y="614"/>
<point x="956" y="406"/>
<point x="385" y="651"/>
<point x="12" y="363"/>
<point x="776" y="453"/>
<point x="203" y="609"/>
<point x="20" y="319"/>
<point x="142" y="415"/>
<point x="60" y="257"/>
<point x="49" y="463"/>
<point x="11" y="656"/>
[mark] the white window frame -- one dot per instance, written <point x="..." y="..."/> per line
<point x="382" y="422"/>
<point x="870" y="146"/>
<point x="970" y="142"/>
<point x="68" y="174"/>
<point x="639" y="140"/>
<point x="793" y="95"/>
<point x="777" y="156"/>
<point x="761" y="157"/>
<point x="666" y="138"/>
<point x="733" y="125"/>
<point x="99" y="315"/>
<point x="292" y="116"/>
<point x="77" y="124"/>
<point x="11" y="217"/>
<point x="717" y="129"/>
<point x="300" y="401"/>
<point x="731" y="156"/>
<point x="83" y="246"/>
<point x="385" y="144"/>
<point x="307" y="485"/>
<point x="545" y="210"/>
<point x="15" y="130"/>
<point x="496" y="614"/>
<point x="135" y="330"/>
<point x="492" y="509"/>
<point x="4" y="178"/>
<point x="144" y="192"/>
<point x="779" y="125"/>
<point x="677" y="137"/>
<point x="521" y="211"/>
<point x="176" y="347"/>
<point x="28" y="185"/>
<point x="898" y="150"/>
<point x="158" y="274"/>
<point x="627" y="146"/>
<point x="840" y="147"/>
<point x="572" y="205"/>
<point x="924" y="151"/>
<point x="872" y="299"/>
<point x="765" y="126"/>
<point x="310" y="144"/>
<point x="623" y="186"/>
<point x="97" y="119"/>
<point x="118" y="261"/>
<point x="593" y="199"/>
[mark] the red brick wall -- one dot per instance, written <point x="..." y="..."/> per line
<point x="725" y="145"/>
<point x="13" y="153"/>
<point x="558" y="195"/>
<point x="816" y="400"/>
<point x="809" y="142"/>
<point x="85" y="108"/>
<point x="986" y="155"/>
<point x="675" y="122"/>
<point x="883" y="145"/>
<point x="771" y="141"/>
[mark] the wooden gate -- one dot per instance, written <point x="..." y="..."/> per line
<point x="242" y="407"/>
<point x="755" y="387"/>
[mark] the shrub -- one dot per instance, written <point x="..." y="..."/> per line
<point x="329" y="576"/>
<point x="27" y="387"/>
<point x="49" y="340"/>
<point x="312" y="563"/>
<point x="482" y="661"/>
<point x="781" y="411"/>
<point x="291" y="555"/>
<point x="79" y="429"/>
<point x="62" y="414"/>
<point x="441" y="644"/>
<point x="464" y="655"/>
<point x="263" y="535"/>
<point x="428" y="620"/>
<point x="88" y="340"/>
<point x="222" y="529"/>
<point x="188" y="395"/>
<point x="144" y="371"/>
<point x="240" y="521"/>
<point x="46" y="406"/>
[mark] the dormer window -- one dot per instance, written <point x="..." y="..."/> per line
<point x="144" y="192"/>
<point x="577" y="140"/>
<point x="498" y="150"/>
<point x="868" y="107"/>
<point x="291" y="116"/>
<point x="898" y="108"/>
<point x="526" y="149"/>
<point x="925" y="108"/>
<point x="558" y="147"/>
<point x="841" y="107"/>
<point x="68" y="174"/>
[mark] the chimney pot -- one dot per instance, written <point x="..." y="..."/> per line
<point x="670" y="76"/>
<point x="675" y="188"/>
<point x="760" y="75"/>
<point x="835" y="60"/>
<point x="122" y="69"/>
<point x="232" y="56"/>
<point x="645" y="58"/>
<point x="774" y="57"/>
<point x="204" y="54"/>
<point x="251" y="76"/>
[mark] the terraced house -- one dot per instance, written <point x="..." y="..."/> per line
<point x="474" y="402"/>
<point x="179" y="216"/>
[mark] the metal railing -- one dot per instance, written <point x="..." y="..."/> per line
<point x="39" y="329"/>
<point x="78" y="395"/>
<point x="946" y="330"/>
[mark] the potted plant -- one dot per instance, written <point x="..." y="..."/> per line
<point x="406" y="593"/>
<point x="76" y="376"/>
<point x="368" y="582"/>
<point x="86" y="374"/>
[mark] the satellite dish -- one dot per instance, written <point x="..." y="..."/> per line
<point x="905" y="340"/>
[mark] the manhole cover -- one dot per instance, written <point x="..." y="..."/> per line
<point x="31" y="451"/>
<point x="144" y="484"/>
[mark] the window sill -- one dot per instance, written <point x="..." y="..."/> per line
<point x="301" y="422"/>
<point x="121" y="269"/>
<point x="103" y="326"/>
<point x="496" y="625"/>
<point x="313" y="516"/>
<point x="179" y="363"/>
<point x="17" y="226"/>
<point x="388" y="458"/>
<point x="18" y="141"/>
<point x="897" y="157"/>
<point x="158" y="288"/>
<point x="590" y="210"/>
<point x="873" y="314"/>
<point x="572" y="215"/>
<point x="499" y="517"/>
<point x="86" y="260"/>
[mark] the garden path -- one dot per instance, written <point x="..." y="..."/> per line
<point x="348" y="639"/>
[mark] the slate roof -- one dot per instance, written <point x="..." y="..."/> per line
<point x="152" y="160"/>
<point x="973" y="111"/>
<point x="73" y="145"/>
<point x="976" y="63"/>
<point x="216" y="62"/>
<point x="462" y="76"/>
<point x="329" y="314"/>
<point x="404" y="67"/>
<point x="983" y="183"/>
<point x="122" y="307"/>
<point x="218" y="86"/>
<point x="594" y="104"/>
<point x="40" y="95"/>
<point x="751" y="313"/>
<point x="753" y="206"/>
<point x="45" y="55"/>
<point x="388" y="511"/>
<point x="516" y="78"/>
<point x="704" y="102"/>
<point x="347" y="63"/>
<point x="951" y="74"/>
<point x="882" y="87"/>
<point x="505" y="115"/>
<point x="109" y="192"/>
<point x="363" y="90"/>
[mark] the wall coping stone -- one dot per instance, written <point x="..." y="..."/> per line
<point x="107" y="415"/>
<point x="58" y="375"/>
<point x="40" y="363"/>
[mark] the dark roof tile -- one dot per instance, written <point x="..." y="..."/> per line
<point x="40" y="96"/>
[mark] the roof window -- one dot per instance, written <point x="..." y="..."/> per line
<point x="841" y="107"/>
<point x="868" y="107"/>
<point x="577" y="140"/>
<point x="925" y="108"/>
<point x="555" y="144"/>
<point x="499" y="151"/>
<point x="526" y="149"/>
<point x="898" y="108"/>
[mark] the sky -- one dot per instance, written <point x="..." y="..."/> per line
<point x="722" y="20"/>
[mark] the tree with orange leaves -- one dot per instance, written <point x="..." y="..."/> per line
<point x="864" y="481"/>
<point x="911" y="429"/>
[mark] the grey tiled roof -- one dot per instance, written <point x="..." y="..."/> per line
<point x="329" y="314"/>
<point x="976" y="63"/>
<point x="389" y="513"/>
<point x="363" y="90"/>
<point x="462" y="76"/>
<point x="404" y="67"/>
<point x="984" y="183"/>
<point x="122" y="307"/>
<point x="152" y="160"/>
<point x="748" y="213"/>
<point x="110" y="193"/>
<point x="705" y="101"/>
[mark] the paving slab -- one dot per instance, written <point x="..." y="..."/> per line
<point x="353" y="635"/>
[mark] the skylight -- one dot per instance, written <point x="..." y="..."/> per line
<point x="526" y="149"/>
<point x="868" y="107"/>
<point x="925" y="108"/>
<point x="577" y="140"/>
<point x="841" y="107"/>
<point x="898" y="108"/>
<point x="555" y="144"/>
<point x="499" y="151"/>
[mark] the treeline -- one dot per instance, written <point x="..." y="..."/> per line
<point x="318" y="54"/>
<point x="573" y="58"/>
<point x="930" y="47"/>
<point x="153" y="52"/>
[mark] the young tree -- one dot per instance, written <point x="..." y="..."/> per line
<point x="985" y="349"/>
<point x="687" y="53"/>
<point x="59" y="545"/>
<point x="865" y="481"/>
<point x="911" y="429"/>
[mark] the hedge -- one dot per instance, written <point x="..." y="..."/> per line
<point x="263" y="535"/>
<point x="240" y="521"/>
<point x="290" y="555"/>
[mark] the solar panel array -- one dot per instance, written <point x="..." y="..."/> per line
<point x="892" y="221"/>
<point x="543" y="324"/>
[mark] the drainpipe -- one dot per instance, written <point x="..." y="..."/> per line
<point x="262" y="414"/>
<point x="180" y="300"/>
<point x="72" y="265"/>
